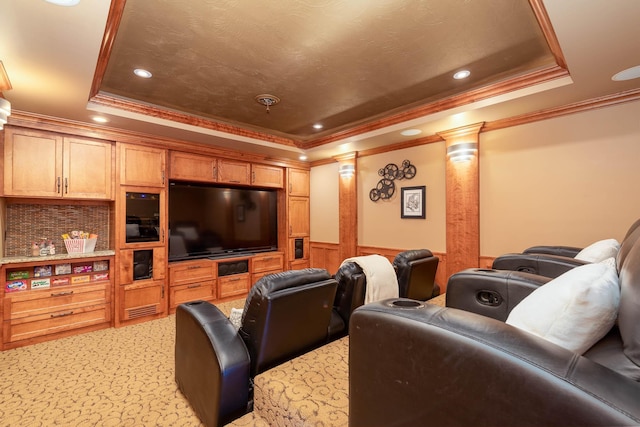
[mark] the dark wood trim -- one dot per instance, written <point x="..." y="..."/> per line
<point x="111" y="29"/>
<point x="547" y="30"/>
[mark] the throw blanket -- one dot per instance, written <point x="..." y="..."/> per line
<point x="382" y="282"/>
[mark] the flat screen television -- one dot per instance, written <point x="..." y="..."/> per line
<point x="207" y="220"/>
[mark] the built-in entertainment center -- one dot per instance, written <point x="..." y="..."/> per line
<point x="219" y="221"/>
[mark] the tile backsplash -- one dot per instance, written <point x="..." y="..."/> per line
<point x="27" y="223"/>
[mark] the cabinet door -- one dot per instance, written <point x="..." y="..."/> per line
<point x="32" y="163"/>
<point x="267" y="176"/>
<point x="298" y="182"/>
<point x="143" y="166"/>
<point x="298" y="216"/>
<point x="192" y="167"/>
<point x="87" y="169"/>
<point x="233" y="172"/>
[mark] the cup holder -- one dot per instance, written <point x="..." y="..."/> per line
<point x="406" y="304"/>
<point x="486" y="270"/>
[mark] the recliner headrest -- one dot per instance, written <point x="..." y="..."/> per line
<point x="286" y="280"/>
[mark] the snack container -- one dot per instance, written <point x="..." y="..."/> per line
<point x="42" y="271"/>
<point x="100" y="265"/>
<point x="80" y="246"/>
<point x="63" y="269"/>
<point x="40" y="283"/>
<point x="60" y="281"/>
<point x="100" y="276"/>
<point x="84" y="268"/>
<point x="16" y="285"/>
<point x="13" y="275"/>
<point x="80" y="279"/>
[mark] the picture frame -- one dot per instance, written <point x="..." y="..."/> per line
<point x="413" y="202"/>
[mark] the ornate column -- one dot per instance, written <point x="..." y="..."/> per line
<point x="462" y="188"/>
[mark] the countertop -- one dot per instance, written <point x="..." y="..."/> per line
<point x="57" y="257"/>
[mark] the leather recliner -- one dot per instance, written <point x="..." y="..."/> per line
<point x="285" y="315"/>
<point x="548" y="261"/>
<point x="416" y="272"/>
<point x="489" y="373"/>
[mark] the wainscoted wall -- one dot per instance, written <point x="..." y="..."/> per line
<point x="27" y="222"/>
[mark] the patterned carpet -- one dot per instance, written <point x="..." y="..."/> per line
<point x="113" y="377"/>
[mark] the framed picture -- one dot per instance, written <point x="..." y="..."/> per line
<point x="413" y="202"/>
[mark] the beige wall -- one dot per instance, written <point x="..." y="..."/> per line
<point x="324" y="204"/>
<point x="570" y="180"/>
<point x="379" y="223"/>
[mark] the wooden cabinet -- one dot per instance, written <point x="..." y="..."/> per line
<point x="193" y="167"/>
<point x="191" y="281"/>
<point x="234" y="172"/>
<point x="267" y="176"/>
<point x="270" y="263"/>
<point x="142" y="166"/>
<point x="46" y="164"/>
<point x="298" y="217"/>
<point x="298" y="180"/>
<point x="141" y="293"/>
<point x="51" y="299"/>
<point x="234" y="285"/>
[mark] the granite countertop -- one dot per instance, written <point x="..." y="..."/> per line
<point x="57" y="257"/>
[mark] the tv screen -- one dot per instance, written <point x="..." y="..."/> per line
<point x="207" y="220"/>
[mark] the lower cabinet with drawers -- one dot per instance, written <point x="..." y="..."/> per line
<point x="218" y="279"/>
<point x="57" y="297"/>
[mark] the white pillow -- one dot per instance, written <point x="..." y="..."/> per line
<point x="236" y="317"/>
<point x="574" y="310"/>
<point x="599" y="251"/>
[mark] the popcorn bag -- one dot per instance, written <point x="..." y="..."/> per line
<point x="78" y="242"/>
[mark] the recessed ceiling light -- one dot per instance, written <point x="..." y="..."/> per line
<point x="318" y="126"/>
<point x="302" y="157"/>
<point x="64" y="2"/>
<point x="462" y="74"/>
<point x="140" y="72"/>
<point x="100" y="119"/>
<point x="410" y="132"/>
<point x="628" y="74"/>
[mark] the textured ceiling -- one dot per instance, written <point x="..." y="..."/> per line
<point x="339" y="63"/>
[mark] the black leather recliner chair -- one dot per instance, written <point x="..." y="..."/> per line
<point x="285" y="315"/>
<point x="416" y="272"/>
<point x="489" y="373"/>
<point x="350" y="293"/>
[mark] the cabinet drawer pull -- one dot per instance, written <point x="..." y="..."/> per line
<point x="194" y="286"/>
<point x="193" y="267"/>
<point x="62" y="294"/>
<point x="235" y="279"/>
<point x="66" y="313"/>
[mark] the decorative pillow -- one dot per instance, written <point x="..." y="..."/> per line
<point x="574" y="310"/>
<point x="599" y="251"/>
<point x="236" y="317"/>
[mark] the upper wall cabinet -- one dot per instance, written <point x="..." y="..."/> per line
<point x="142" y="166"/>
<point x="267" y="176"/>
<point x="299" y="182"/>
<point x="193" y="167"/>
<point x="46" y="164"/>
<point x="234" y="172"/>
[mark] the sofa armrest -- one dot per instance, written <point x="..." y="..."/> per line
<point x="568" y="251"/>
<point x="212" y="364"/>
<point x="491" y="293"/>
<point x="470" y="370"/>
<point x="544" y="265"/>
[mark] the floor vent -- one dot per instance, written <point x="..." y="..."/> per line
<point x="134" y="313"/>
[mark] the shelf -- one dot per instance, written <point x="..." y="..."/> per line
<point x="57" y="257"/>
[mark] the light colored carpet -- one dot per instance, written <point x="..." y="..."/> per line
<point x="112" y="377"/>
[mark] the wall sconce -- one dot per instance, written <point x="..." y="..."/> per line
<point x="5" y="105"/>
<point x="347" y="171"/>
<point x="462" y="152"/>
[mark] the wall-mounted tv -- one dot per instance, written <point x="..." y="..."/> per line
<point x="207" y="220"/>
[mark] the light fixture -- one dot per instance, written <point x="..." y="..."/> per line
<point x="318" y="126"/>
<point x="628" y="74"/>
<point x="5" y="105"/>
<point x="302" y="157"/>
<point x="462" y="152"/>
<point x="63" y="2"/>
<point x="411" y="132"/>
<point x="267" y="100"/>
<point x="99" y="119"/>
<point x="141" y="72"/>
<point x="347" y="170"/>
<point x="462" y="74"/>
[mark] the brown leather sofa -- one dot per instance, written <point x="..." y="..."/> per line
<point x="426" y="365"/>
<point x="285" y="315"/>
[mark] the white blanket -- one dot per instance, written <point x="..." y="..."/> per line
<point x="382" y="282"/>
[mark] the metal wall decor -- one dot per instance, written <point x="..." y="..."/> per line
<point x="386" y="187"/>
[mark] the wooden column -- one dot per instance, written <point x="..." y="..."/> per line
<point x="348" y="206"/>
<point x="462" y="210"/>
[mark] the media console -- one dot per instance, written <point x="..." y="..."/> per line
<point x="219" y="279"/>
